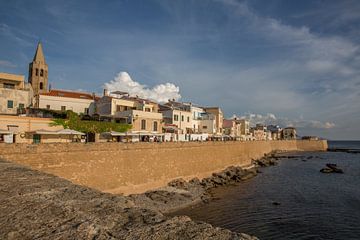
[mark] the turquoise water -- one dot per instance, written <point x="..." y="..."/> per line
<point x="313" y="205"/>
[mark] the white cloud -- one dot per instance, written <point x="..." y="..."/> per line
<point x="300" y="123"/>
<point x="160" y="93"/>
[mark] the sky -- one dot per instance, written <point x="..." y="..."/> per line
<point x="289" y="62"/>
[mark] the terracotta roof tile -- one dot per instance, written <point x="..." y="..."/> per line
<point x="70" y="94"/>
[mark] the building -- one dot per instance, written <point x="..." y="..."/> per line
<point x="38" y="74"/>
<point x="179" y="115"/>
<point x="232" y="128"/>
<point x="63" y="100"/>
<point x="258" y="134"/>
<point x="216" y="111"/>
<point x="244" y="129"/>
<point x="142" y="114"/>
<point x="289" y="133"/>
<point x="275" y="131"/>
<point x="20" y="129"/>
<point x="16" y="95"/>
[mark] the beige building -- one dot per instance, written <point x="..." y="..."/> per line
<point x="245" y="129"/>
<point x="216" y="111"/>
<point x="38" y="74"/>
<point x="289" y="133"/>
<point x="141" y="113"/>
<point x="23" y="129"/>
<point x="178" y="114"/>
<point x="63" y="100"/>
<point x="232" y="128"/>
<point x="15" y="94"/>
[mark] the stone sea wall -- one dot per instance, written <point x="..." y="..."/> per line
<point x="138" y="167"/>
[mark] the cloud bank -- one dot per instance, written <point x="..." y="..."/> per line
<point x="159" y="93"/>
<point x="270" y="118"/>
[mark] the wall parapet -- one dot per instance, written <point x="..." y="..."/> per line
<point x="137" y="167"/>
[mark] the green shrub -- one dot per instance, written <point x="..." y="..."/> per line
<point x="73" y="121"/>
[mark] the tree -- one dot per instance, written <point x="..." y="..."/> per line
<point x="73" y="121"/>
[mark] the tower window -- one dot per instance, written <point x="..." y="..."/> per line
<point x="41" y="85"/>
<point x="41" y="73"/>
<point x="37" y="72"/>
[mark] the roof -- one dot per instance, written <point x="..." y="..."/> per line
<point x="227" y="123"/>
<point x="70" y="94"/>
<point x="39" y="55"/>
<point x="11" y="77"/>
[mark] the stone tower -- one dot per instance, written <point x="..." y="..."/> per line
<point x="38" y="74"/>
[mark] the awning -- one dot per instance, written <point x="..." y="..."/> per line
<point x="44" y="132"/>
<point x="146" y="133"/>
<point x="174" y="128"/>
<point x="115" y="134"/>
<point x="60" y="132"/>
<point x="69" y="132"/>
<point x="5" y="131"/>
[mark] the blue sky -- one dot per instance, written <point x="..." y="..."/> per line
<point x="285" y="61"/>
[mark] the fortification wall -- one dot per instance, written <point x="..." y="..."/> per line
<point x="131" y="168"/>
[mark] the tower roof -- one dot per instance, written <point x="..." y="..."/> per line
<point x="39" y="55"/>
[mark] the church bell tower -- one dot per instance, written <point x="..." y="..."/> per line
<point x="38" y="74"/>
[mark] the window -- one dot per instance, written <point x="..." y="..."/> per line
<point x="188" y="119"/>
<point x="41" y="85"/>
<point x="182" y="118"/>
<point x="21" y="106"/>
<point x="147" y="109"/>
<point x="37" y="72"/>
<point x="86" y="111"/>
<point x="118" y="108"/>
<point x="155" y="126"/>
<point x="204" y="127"/>
<point x="10" y="103"/>
<point x="63" y="108"/>
<point x="143" y="124"/>
<point x="9" y="85"/>
<point x="41" y="73"/>
<point x="47" y="106"/>
<point x="176" y="117"/>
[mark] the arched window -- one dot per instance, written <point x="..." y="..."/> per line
<point x="41" y="85"/>
<point x="37" y="72"/>
<point x="155" y="127"/>
<point x="143" y="124"/>
<point x="41" y="72"/>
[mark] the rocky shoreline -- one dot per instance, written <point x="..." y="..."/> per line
<point x="36" y="205"/>
<point x="39" y="205"/>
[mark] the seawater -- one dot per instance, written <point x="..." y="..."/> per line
<point x="312" y="205"/>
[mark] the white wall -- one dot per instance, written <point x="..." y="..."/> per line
<point x="75" y="104"/>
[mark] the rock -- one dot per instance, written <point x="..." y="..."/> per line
<point x="326" y="170"/>
<point x="331" y="168"/>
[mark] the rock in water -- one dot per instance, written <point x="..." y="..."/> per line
<point x="326" y="170"/>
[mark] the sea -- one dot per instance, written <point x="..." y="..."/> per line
<point x="292" y="200"/>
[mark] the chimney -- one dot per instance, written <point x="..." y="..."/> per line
<point x="106" y="93"/>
